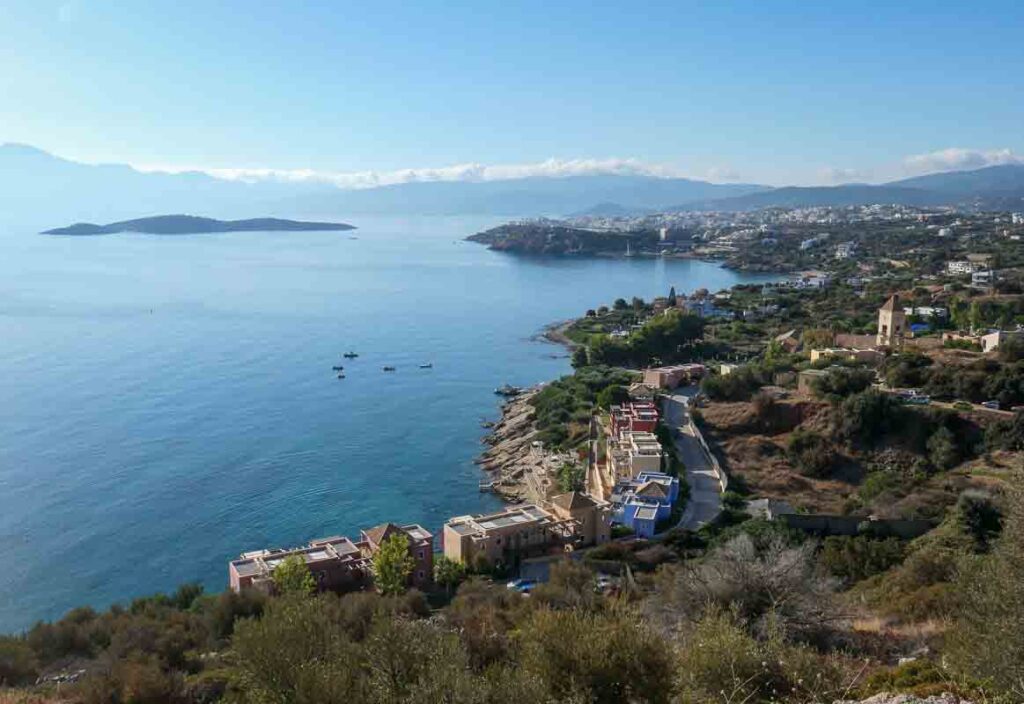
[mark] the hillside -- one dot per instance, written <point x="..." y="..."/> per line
<point x="547" y="238"/>
<point x="190" y="224"/>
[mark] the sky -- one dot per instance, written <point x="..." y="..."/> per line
<point x="363" y="93"/>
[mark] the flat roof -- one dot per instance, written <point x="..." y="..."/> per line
<point x="246" y="568"/>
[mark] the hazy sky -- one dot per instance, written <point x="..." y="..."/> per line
<point x="806" y="92"/>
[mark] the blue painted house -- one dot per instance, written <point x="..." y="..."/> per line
<point x="640" y="503"/>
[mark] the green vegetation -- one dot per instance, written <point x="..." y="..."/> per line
<point x="662" y="339"/>
<point x="448" y="573"/>
<point x="563" y="407"/>
<point x="293" y="577"/>
<point x="392" y="565"/>
<point x="571" y="477"/>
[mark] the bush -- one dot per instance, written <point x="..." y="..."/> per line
<point x="810" y="453"/>
<point x="840" y="383"/>
<point x="853" y="558"/>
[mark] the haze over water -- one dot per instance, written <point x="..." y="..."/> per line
<point x="168" y="402"/>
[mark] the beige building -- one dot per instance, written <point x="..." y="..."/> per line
<point x="806" y="378"/>
<point x="892" y="324"/>
<point x="672" y="376"/>
<point x="992" y="340"/>
<point x="566" y="522"/>
<point x="848" y="353"/>
<point x="633" y="452"/>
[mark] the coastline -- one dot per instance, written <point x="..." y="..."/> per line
<point x="516" y="470"/>
<point x="555" y="334"/>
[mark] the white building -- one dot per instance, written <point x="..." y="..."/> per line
<point x="983" y="278"/>
<point x="945" y="232"/>
<point x="845" y="250"/>
<point x="1017" y="218"/>
<point x="959" y="268"/>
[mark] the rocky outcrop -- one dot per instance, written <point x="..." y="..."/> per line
<point x="519" y="468"/>
<point x="887" y="698"/>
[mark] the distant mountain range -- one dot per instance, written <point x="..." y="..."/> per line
<point x="37" y="188"/>
<point x="191" y="225"/>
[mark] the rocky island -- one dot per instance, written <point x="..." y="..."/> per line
<point x="193" y="225"/>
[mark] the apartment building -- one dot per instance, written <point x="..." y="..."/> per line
<point x="672" y="376"/>
<point x="421" y="549"/>
<point x="565" y="522"/>
<point x="336" y="563"/>
<point x="633" y="452"/>
<point x="639" y="416"/>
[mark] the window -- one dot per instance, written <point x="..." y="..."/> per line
<point x="419" y="554"/>
<point x="419" y="574"/>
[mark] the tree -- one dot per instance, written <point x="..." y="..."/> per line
<point x="392" y="565"/>
<point x="448" y="573"/>
<point x="579" y="357"/>
<point x="672" y="296"/>
<point x="620" y="304"/>
<point x="612" y="395"/>
<point x="987" y="641"/>
<point x="297" y="653"/>
<point x="571" y="476"/>
<point x="942" y="449"/>
<point x="292" y="576"/>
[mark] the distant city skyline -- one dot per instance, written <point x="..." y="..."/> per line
<point x="773" y="93"/>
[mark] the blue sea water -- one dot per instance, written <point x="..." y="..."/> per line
<point x="168" y="402"/>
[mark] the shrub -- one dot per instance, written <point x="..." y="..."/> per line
<point x="853" y="558"/>
<point x="810" y="453"/>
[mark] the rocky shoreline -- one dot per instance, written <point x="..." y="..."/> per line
<point x="517" y="466"/>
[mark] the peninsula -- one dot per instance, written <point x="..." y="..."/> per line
<point x="193" y="225"/>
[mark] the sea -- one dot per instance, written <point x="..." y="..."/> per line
<point x="168" y="402"/>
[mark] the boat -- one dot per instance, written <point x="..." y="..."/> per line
<point x="338" y="368"/>
<point x="389" y="369"/>
<point x="341" y="376"/>
<point x="508" y="390"/>
<point x="350" y="355"/>
<point x="428" y="365"/>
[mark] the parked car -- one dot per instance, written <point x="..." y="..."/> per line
<point x="991" y="405"/>
<point x="920" y="400"/>
<point x="962" y="406"/>
<point x="523" y="586"/>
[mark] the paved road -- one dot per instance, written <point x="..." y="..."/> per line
<point x="705" y="491"/>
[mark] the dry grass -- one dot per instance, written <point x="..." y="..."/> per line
<point x="15" y="696"/>
<point x="755" y="452"/>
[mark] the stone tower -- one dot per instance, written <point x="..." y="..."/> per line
<point x="892" y="323"/>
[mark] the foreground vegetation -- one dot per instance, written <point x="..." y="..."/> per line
<point x="751" y="612"/>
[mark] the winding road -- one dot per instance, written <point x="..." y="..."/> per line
<point x="705" y="501"/>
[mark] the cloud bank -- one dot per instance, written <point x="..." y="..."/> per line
<point x="551" y="168"/>
<point x="957" y="158"/>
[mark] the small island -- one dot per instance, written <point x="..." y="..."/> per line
<point x="193" y="225"/>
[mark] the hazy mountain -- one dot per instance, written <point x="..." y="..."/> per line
<point x="988" y="181"/>
<point x="38" y="189"/>
<point x="810" y="196"/>
<point x="995" y="187"/>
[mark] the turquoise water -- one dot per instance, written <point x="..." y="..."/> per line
<point x="168" y="402"/>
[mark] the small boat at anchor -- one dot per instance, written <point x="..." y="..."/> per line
<point x="341" y="376"/>
<point x="389" y="369"/>
<point x="338" y="368"/>
<point x="428" y="365"/>
<point x="350" y="355"/>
